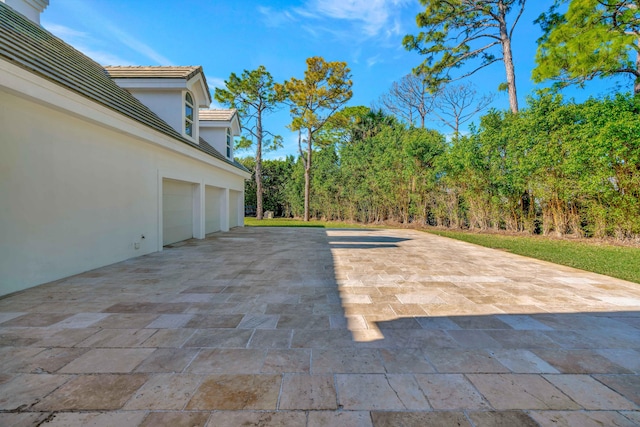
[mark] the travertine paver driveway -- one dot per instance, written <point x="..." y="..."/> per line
<point x="323" y="327"/>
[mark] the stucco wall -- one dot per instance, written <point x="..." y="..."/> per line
<point x="217" y="137"/>
<point x="75" y="195"/>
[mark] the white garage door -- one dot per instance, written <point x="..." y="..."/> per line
<point x="177" y="211"/>
<point x="234" y="196"/>
<point x="213" y="203"/>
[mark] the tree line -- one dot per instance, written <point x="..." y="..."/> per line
<point x="554" y="166"/>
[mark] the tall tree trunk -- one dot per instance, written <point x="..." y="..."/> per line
<point x="636" y="84"/>
<point x="259" y="190"/>
<point x="508" y="61"/>
<point x="307" y="177"/>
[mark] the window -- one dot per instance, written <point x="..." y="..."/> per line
<point x="188" y="114"/>
<point x="228" y="143"/>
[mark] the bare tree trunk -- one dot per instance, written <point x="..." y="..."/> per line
<point x="509" y="68"/>
<point x="508" y="59"/>
<point x="259" y="190"/>
<point x="636" y="84"/>
<point x="307" y="177"/>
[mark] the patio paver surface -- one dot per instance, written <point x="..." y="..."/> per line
<point x="323" y="327"/>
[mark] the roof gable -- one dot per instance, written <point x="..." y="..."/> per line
<point x="157" y="77"/>
<point x="220" y="118"/>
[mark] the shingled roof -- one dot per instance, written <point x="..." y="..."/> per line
<point x="152" y="72"/>
<point x="216" y="115"/>
<point x="25" y="44"/>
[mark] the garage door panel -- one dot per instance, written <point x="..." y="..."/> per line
<point x="213" y="203"/>
<point x="177" y="211"/>
<point x="234" y="196"/>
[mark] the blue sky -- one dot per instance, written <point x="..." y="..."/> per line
<point x="226" y="36"/>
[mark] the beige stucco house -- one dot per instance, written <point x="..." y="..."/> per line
<point x="101" y="164"/>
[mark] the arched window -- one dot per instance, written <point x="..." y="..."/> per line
<point x="228" y="143"/>
<point x="188" y="114"/>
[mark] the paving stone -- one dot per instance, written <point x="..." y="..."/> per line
<point x="66" y="337"/>
<point x="106" y="360"/>
<point x="249" y="418"/>
<point x="168" y="338"/>
<point x="581" y="419"/>
<point x="443" y="323"/>
<point x="474" y="339"/>
<point x="117" y="338"/>
<point x="339" y="419"/>
<point x="271" y="338"/>
<point x="627" y="358"/>
<point x="164" y="391"/>
<point x="24" y="419"/>
<point x="205" y="321"/>
<point x="589" y="393"/>
<point x="125" y="321"/>
<point x="170" y="321"/>
<point x="219" y="338"/>
<point x="24" y="391"/>
<point x="167" y="360"/>
<point x="290" y="360"/>
<point x="419" y="419"/>
<point x="379" y="392"/>
<point x="521" y="391"/>
<point x="626" y="385"/>
<point x="580" y="362"/>
<point x="320" y="338"/>
<point x="176" y="419"/>
<point x="451" y="391"/>
<point x="259" y="321"/>
<point x="480" y="322"/>
<point x="233" y="361"/>
<point x="93" y="392"/>
<point x="522" y="361"/>
<point x="96" y="419"/>
<point x="237" y="392"/>
<point x="308" y="392"/>
<point x="81" y="320"/>
<point x="49" y="360"/>
<point x="523" y="322"/>
<point x="464" y="361"/>
<point x="346" y="361"/>
<point x="6" y="316"/>
<point x="405" y="361"/>
<point x="36" y="319"/>
<point x="12" y="359"/>
<point x="502" y="419"/>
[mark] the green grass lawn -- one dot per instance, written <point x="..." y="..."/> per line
<point x="622" y="262"/>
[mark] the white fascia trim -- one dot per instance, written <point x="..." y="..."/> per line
<point x="169" y="84"/>
<point x="25" y="84"/>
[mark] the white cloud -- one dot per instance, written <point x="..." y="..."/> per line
<point x="83" y="41"/>
<point x="213" y="82"/>
<point x="370" y="17"/>
<point x="114" y="38"/>
<point x="135" y="44"/>
<point x="373" y="60"/>
<point x="274" y="18"/>
<point x="367" y="18"/>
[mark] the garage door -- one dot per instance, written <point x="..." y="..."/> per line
<point x="234" y="196"/>
<point x="177" y="211"/>
<point x="213" y="203"/>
